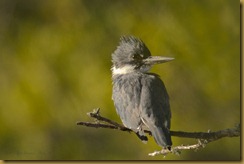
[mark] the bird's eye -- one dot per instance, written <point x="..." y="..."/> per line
<point x="137" y="57"/>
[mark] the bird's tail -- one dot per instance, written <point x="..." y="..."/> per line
<point x="161" y="136"/>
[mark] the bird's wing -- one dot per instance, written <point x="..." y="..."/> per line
<point x="155" y="109"/>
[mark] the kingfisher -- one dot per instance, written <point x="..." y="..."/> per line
<point x="140" y="98"/>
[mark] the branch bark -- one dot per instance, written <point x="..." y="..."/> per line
<point x="203" y="137"/>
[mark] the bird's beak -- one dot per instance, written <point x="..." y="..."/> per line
<point x="151" y="60"/>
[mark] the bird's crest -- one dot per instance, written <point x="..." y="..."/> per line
<point x="131" y="40"/>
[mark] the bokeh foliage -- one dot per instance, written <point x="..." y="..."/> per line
<point x="55" y="59"/>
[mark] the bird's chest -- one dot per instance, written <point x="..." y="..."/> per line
<point x="127" y="91"/>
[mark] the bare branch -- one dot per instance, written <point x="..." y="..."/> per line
<point x="203" y="137"/>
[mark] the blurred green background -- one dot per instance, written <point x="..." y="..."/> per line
<point x="55" y="60"/>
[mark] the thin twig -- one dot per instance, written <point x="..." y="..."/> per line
<point x="100" y="125"/>
<point x="95" y="114"/>
<point x="177" y="149"/>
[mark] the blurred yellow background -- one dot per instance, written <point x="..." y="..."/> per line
<point x="55" y="60"/>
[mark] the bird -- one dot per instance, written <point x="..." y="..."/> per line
<point x="140" y="97"/>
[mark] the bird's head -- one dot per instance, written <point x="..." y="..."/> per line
<point x="133" y="55"/>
